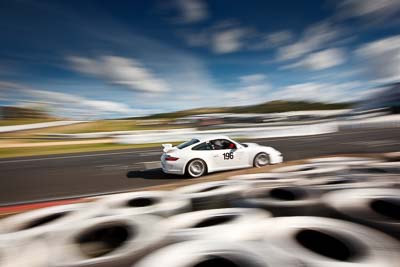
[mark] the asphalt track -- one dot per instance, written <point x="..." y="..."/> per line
<point x="31" y="179"/>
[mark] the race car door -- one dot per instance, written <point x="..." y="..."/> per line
<point x="226" y="155"/>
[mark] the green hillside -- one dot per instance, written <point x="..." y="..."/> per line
<point x="268" y="107"/>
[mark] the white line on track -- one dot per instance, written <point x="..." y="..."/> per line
<point x="76" y="156"/>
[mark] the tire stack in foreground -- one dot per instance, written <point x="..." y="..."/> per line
<point x="327" y="212"/>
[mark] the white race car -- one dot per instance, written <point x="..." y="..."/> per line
<point x="215" y="153"/>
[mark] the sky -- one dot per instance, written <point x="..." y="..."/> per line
<point x="110" y="59"/>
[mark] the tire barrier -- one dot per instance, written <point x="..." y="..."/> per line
<point x="346" y="161"/>
<point x="392" y="156"/>
<point x="42" y="221"/>
<point x="262" y="179"/>
<point x="388" y="167"/>
<point x="378" y="208"/>
<point x="162" y="203"/>
<point x="376" y="169"/>
<point x="231" y="224"/>
<point x="282" y="200"/>
<point x="106" y="241"/>
<point x="326" y="242"/>
<point x="326" y="184"/>
<point x="213" y="195"/>
<point x="32" y="253"/>
<point x="220" y="253"/>
<point x="311" y="170"/>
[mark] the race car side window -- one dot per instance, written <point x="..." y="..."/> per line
<point x="203" y="146"/>
<point x="220" y="144"/>
<point x="188" y="143"/>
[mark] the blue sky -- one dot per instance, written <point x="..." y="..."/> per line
<point x="105" y="59"/>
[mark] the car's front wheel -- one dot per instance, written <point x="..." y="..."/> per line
<point x="261" y="159"/>
<point x="196" y="168"/>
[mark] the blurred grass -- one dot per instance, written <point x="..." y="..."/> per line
<point x="10" y="122"/>
<point x="103" y="126"/>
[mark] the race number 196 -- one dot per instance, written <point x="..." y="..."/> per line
<point x="228" y="155"/>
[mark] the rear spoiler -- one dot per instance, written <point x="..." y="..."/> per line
<point x="168" y="147"/>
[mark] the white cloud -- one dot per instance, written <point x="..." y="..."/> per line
<point x="253" y="78"/>
<point x="80" y="105"/>
<point x="313" y="38"/>
<point x="252" y="89"/>
<point x="382" y="58"/>
<point x="272" y="40"/>
<point x="228" y="41"/>
<point x="279" y="38"/>
<point x="230" y="36"/>
<point x="58" y="102"/>
<point x="192" y="10"/>
<point x="181" y="71"/>
<point x="107" y="106"/>
<point x="121" y="71"/>
<point x="224" y="37"/>
<point x="378" y="9"/>
<point x="323" y="92"/>
<point x="320" y="60"/>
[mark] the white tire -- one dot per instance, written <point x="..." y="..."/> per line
<point x="267" y="178"/>
<point x="203" y="253"/>
<point x="213" y="195"/>
<point x="231" y="224"/>
<point x="42" y="221"/>
<point x="392" y="156"/>
<point x="162" y="203"/>
<point x="312" y="170"/>
<point x="23" y="253"/>
<point x="346" y="161"/>
<point x="327" y="184"/>
<point x="325" y="242"/>
<point x="282" y="200"/>
<point x="388" y="167"/>
<point x="379" y="208"/>
<point x="106" y="241"/>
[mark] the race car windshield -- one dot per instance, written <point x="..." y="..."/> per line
<point x="188" y="143"/>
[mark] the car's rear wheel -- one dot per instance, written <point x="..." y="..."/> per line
<point x="196" y="168"/>
<point x="261" y="159"/>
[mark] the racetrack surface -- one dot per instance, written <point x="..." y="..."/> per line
<point x="31" y="179"/>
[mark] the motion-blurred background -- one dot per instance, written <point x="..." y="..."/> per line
<point x="89" y="90"/>
<point x="115" y="69"/>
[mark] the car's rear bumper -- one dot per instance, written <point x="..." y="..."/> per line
<point x="172" y="167"/>
<point x="177" y="172"/>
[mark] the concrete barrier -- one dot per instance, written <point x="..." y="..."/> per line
<point x="388" y="121"/>
<point x="264" y="132"/>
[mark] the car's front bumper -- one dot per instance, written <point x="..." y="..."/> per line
<point x="275" y="159"/>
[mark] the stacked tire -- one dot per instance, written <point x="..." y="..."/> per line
<point x="326" y="212"/>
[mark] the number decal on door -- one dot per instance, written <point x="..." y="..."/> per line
<point x="228" y="155"/>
